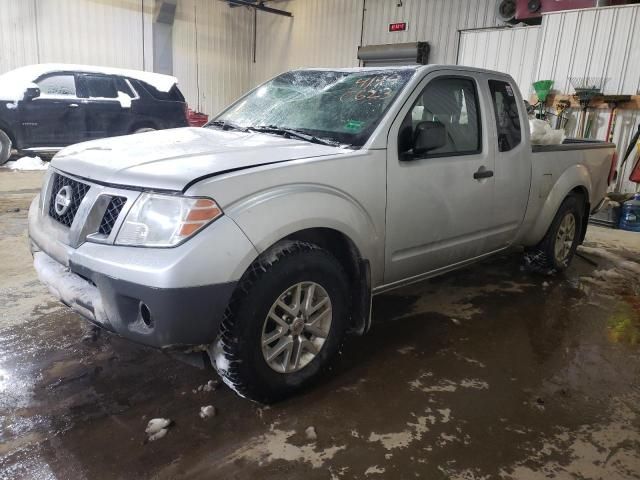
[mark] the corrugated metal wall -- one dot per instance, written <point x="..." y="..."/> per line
<point x="99" y="32"/>
<point x="433" y="21"/>
<point x="328" y="32"/>
<point x="510" y="50"/>
<point x="321" y="33"/>
<point x="17" y="34"/>
<point x="212" y="52"/>
<point x="602" y="43"/>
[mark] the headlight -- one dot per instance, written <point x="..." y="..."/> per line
<point x="165" y="220"/>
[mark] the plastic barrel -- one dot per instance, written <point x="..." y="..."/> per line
<point x="630" y="217"/>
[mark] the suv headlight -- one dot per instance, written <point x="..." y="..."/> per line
<point x="165" y="220"/>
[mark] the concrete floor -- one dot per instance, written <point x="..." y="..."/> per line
<point x="490" y="372"/>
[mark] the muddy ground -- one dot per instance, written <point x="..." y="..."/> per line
<point x="489" y="372"/>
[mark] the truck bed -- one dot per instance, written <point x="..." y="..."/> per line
<point x="572" y="144"/>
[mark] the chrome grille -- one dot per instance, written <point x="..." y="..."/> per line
<point x="111" y="214"/>
<point x="78" y="192"/>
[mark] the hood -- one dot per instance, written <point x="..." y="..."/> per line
<point x="171" y="159"/>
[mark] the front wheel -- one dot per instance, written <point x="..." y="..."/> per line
<point x="558" y="247"/>
<point x="285" y="323"/>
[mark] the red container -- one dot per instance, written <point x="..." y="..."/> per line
<point x="197" y="119"/>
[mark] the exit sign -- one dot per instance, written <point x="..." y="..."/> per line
<point x="398" y="27"/>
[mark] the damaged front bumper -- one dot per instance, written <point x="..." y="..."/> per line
<point x="169" y="318"/>
<point x="170" y="298"/>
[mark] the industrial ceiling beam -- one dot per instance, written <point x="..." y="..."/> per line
<point x="259" y="6"/>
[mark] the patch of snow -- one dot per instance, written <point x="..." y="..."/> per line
<point x="158" y="435"/>
<point x="124" y="99"/>
<point x="69" y="287"/>
<point x="157" y="428"/>
<point x="446" y="414"/>
<point x="219" y="357"/>
<point x="474" y="383"/>
<point x="14" y="83"/>
<point x="472" y="361"/>
<point x="210" y="386"/>
<point x="311" y="434"/>
<point x="446" y="385"/>
<point x="207" y="411"/>
<point x="403" y="439"/>
<point x="221" y="364"/>
<point x="614" y="258"/>
<point x="157" y="424"/>
<point x="274" y="445"/>
<point x="28" y="163"/>
<point x="405" y="350"/>
<point x="374" y="470"/>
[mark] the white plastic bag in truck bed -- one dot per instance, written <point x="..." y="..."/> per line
<point x="543" y="134"/>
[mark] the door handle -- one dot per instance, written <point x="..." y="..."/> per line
<point x="483" y="173"/>
<point x="73" y="105"/>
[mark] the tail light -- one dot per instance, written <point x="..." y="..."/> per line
<point x="612" y="169"/>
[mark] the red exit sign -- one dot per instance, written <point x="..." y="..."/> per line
<point x="398" y="27"/>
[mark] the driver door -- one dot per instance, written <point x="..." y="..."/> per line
<point x="56" y="117"/>
<point x="439" y="202"/>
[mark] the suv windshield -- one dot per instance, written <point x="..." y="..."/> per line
<point x="333" y="107"/>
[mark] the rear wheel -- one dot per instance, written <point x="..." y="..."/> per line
<point x="5" y="148"/>
<point x="558" y="247"/>
<point x="285" y="323"/>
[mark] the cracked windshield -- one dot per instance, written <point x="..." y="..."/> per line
<point x="330" y="107"/>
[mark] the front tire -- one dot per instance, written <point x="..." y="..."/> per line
<point x="558" y="247"/>
<point x="5" y="148"/>
<point x="285" y="322"/>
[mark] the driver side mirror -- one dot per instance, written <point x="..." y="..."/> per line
<point x="31" y="93"/>
<point x="429" y="136"/>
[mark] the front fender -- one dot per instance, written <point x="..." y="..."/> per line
<point x="271" y="215"/>
<point x="576" y="176"/>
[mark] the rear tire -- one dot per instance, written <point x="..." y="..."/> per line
<point x="309" y="333"/>
<point x="5" y="148"/>
<point x="558" y="247"/>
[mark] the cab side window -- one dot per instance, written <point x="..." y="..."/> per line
<point x="57" y="85"/>
<point x="448" y="106"/>
<point x="505" y="107"/>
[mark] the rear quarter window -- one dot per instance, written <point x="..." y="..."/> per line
<point x="505" y="107"/>
<point x="173" y="95"/>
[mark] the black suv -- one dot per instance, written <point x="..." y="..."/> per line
<point x="46" y="107"/>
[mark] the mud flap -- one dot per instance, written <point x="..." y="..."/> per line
<point x="361" y="316"/>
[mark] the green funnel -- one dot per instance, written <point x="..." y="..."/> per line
<point x="542" y="88"/>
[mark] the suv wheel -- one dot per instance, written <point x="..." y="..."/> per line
<point x="5" y="148"/>
<point x="557" y="248"/>
<point x="285" y="323"/>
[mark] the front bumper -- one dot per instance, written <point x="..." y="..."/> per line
<point x="161" y="297"/>
<point x="158" y="317"/>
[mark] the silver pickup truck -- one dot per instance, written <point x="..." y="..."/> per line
<point x="260" y="239"/>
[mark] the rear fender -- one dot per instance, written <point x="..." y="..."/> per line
<point x="576" y="176"/>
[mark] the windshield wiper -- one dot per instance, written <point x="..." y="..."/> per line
<point x="293" y="133"/>
<point x="226" y="125"/>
